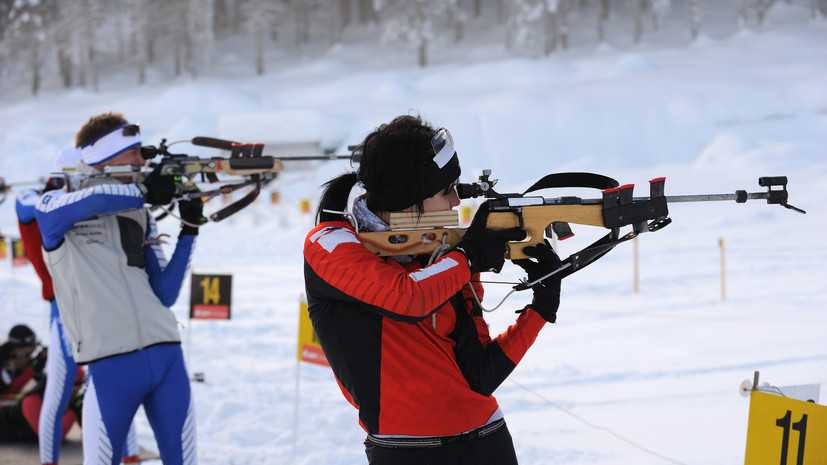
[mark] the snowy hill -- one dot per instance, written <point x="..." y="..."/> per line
<point x="623" y="377"/>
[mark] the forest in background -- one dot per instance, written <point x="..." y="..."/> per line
<point x="75" y="43"/>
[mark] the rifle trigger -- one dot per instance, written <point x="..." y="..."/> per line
<point x="519" y="212"/>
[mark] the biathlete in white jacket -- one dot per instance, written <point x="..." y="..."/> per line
<point x="114" y="289"/>
<point x="60" y="367"/>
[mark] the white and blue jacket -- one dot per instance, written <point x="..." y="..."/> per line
<point x="113" y="287"/>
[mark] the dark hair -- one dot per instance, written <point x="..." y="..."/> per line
<point x="334" y="197"/>
<point x="97" y="126"/>
<point x="392" y="160"/>
<point x="21" y="336"/>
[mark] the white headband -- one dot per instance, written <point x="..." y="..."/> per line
<point x="109" y="146"/>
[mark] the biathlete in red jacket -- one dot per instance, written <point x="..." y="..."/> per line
<point x="21" y="406"/>
<point x="406" y="340"/>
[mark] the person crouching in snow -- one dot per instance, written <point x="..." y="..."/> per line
<point x="21" y="407"/>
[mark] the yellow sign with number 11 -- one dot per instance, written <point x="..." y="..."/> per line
<point x="785" y="431"/>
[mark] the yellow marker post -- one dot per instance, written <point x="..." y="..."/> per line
<point x="466" y="215"/>
<point x="309" y="348"/>
<point x="785" y="431"/>
<point x="18" y="255"/>
<point x="305" y="206"/>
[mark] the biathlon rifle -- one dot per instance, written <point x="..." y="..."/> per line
<point x="245" y="160"/>
<point x="6" y="187"/>
<point x="414" y="233"/>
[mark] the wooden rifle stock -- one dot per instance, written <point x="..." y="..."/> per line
<point x="429" y="236"/>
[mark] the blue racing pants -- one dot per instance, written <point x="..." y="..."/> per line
<point x="154" y="377"/>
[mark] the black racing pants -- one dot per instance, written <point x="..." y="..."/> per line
<point x="487" y="445"/>
<point x="13" y="425"/>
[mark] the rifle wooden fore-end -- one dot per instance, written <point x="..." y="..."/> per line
<point x="535" y="220"/>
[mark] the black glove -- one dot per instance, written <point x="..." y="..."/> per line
<point x="39" y="362"/>
<point x="485" y="248"/>
<point x="547" y="292"/>
<point x="192" y="212"/>
<point x="158" y="189"/>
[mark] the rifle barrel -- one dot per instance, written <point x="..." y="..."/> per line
<point x="529" y="201"/>
<point x="314" y="157"/>
<point x="712" y="197"/>
<point x="669" y="198"/>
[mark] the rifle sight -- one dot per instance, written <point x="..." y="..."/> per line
<point x="483" y="187"/>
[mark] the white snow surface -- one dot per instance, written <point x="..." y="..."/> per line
<point x="624" y="377"/>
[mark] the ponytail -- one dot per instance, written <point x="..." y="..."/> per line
<point x="334" y="197"/>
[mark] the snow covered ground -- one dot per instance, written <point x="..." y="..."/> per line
<point x="623" y="378"/>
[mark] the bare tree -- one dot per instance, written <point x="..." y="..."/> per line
<point x="169" y="25"/>
<point x="818" y="8"/>
<point x="262" y="19"/>
<point x="640" y="10"/>
<point x="521" y="26"/>
<point x="762" y="7"/>
<point x="411" y="22"/>
<point x="301" y="18"/>
<point x="139" y="23"/>
<point x="340" y="18"/>
<point x="538" y="23"/>
<point x="76" y="26"/>
<point x="63" y="42"/>
<point x="502" y="14"/>
<point x="694" y="19"/>
<point x="602" y="17"/>
<point x="228" y="16"/>
<point x="456" y="17"/>
<point x="200" y="38"/>
<point x="26" y="37"/>
<point x="555" y="25"/>
<point x="367" y="11"/>
<point x="659" y="10"/>
<point x="741" y="7"/>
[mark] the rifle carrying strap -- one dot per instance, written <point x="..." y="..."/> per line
<point x="559" y="180"/>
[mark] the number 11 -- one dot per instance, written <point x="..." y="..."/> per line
<point x="801" y="427"/>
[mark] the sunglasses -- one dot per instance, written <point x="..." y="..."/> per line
<point x="129" y="130"/>
<point x="442" y="141"/>
<point x="56" y="181"/>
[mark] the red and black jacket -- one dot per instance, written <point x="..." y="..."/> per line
<point x="407" y="343"/>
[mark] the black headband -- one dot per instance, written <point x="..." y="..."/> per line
<point x="438" y="169"/>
